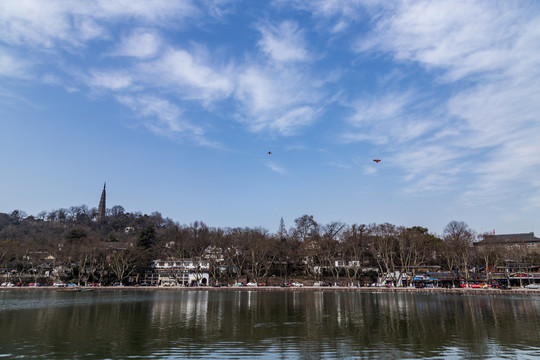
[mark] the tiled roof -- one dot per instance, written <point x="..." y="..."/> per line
<point x="510" y="239"/>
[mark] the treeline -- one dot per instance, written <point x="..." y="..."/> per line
<point x="75" y="246"/>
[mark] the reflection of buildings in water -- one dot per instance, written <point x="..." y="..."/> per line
<point x="189" y="308"/>
<point x="238" y="300"/>
<point x="251" y="298"/>
<point x="275" y="324"/>
<point x="339" y="317"/>
<point x="295" y="299"/>
<point x="403" y="306"/>
<point x="196" y="309"/>
<point x="313" y="307"/>
<point x="315" y="312"/>
<point x="318" y="302"/>
<point x="371" y="316"/>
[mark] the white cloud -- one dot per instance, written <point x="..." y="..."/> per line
<point x="258" y="91"/>
<point x="339" y="13"/>
<point x="191" y="75"/>
<point x="140" y="43"/>
<point x="12" y="66"/>
<point x="488" y="54"/>
<point x="283" y="43"/>
<point x="299" y="117"/>
<point x="483" y="56"/>
<point x="272" y="98"/>
<point x="34" y="22"/>
<point x="422" y="159"/>
<point x="277" y="100"/>
<point x="276" y="168"/>
<point x="164" y="118"/>
<point x="369" y="170"/>
<point x="354" y="136"/>
<point x="111" y="80"/>
<point x="380" y="107"/>
<point x="497" y="112"/>
<point x="219" y="8"/>
<point x="390" y="117"/>
<point x="464" y="38"/>
<point x="350" y="9"/>
<point x="56" y="22"/>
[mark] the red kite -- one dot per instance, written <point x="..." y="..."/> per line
<point x="269" y="153"/>
<point x="377" y="160"/>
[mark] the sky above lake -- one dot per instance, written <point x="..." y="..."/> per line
<point x="239" y="113"/>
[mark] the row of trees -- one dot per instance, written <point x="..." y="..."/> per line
<point x="123" y="244"/>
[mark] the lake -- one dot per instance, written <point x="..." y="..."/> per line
<point x="295" y="324"/>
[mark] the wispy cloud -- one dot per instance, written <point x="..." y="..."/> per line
<point x="390" y="117"/>
<point x="192" y="75"/>
<point x="464" y="38"/>
<point x="270" y="97"/>
<point x="338" y="15"/>
<point x="294" y="119"/>
<point x="11" y="66"/>
<point x="453" y="95"/>
<point x="284" y="42"/>
<point x="60" y="23"/>
<point x="141" y="43"/>
<point x="162" y="117"/>
<point x="485" y="51"/>
<point x="281" y="100"/>
<point x="369" y="170"/>
<point x="276" y="168"/>
<point x="111" y="80"/>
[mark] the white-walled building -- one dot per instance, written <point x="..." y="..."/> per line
<point x="178" y="272"/>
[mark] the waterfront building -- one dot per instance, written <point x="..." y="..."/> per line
<point x="527" y="240"/>
<point x="174" y="272"/>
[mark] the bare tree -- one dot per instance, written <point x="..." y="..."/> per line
<point x="491" y="256"/>
<point x="122" y="263"/>
<point x="383" y="247"/>
<point x="237" y="253"/>
<point x="97" y="263"/>
<point x="198" y="242"/>
<point x="289" y="257"/>
<point x="310" y="255"/>
<point x="331" y="247"/>
<point x="355" y="248"/>
<point x="306" y="228"/>
<point x="458" y="239"/>
<point x="414" y="245"/>
<point x="8" y="253"/>
<point x="215" y="254"/>
<point x="262" y="253"/>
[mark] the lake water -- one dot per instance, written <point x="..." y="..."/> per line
<point x="169" y="324"/>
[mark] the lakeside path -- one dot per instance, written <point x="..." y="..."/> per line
<point x="470" y="291"/>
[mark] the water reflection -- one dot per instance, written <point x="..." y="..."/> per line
<point x="267" y="325"/>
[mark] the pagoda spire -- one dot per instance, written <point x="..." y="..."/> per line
<point x="102" y="209"/>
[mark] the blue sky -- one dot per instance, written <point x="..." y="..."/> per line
<point x="176" y="104"/>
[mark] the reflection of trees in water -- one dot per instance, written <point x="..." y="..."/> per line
<point x="313" y="323"/>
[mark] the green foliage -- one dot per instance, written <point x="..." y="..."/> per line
<point x="112" y="238"/>
<point x="147" y="237"/>
<point x="76" y="234"/>
<point x="420" y="229"/>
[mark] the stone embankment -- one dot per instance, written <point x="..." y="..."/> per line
<point x="470" y="291"/>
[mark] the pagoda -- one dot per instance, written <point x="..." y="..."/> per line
<point x="101" y="211"/>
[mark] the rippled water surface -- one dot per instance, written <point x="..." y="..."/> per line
<point x="267" y="325"/>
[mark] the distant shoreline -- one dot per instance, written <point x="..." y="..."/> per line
<point x="279" y="288"/>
